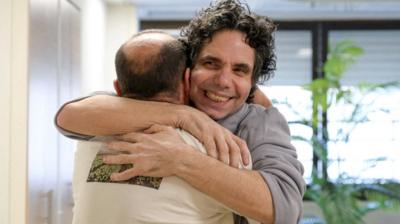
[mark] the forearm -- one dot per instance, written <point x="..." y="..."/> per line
<point x="243" y="191"/>
<point x="110" y="115"/>
<point x="103" y="115"/>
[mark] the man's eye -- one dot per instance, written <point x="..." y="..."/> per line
<point x="240" y="72"/>
<point x="210" y="64"/>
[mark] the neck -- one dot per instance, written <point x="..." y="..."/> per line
<point x="161" y="97"/>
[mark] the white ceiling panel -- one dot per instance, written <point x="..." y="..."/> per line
<point x="277" y="9"/>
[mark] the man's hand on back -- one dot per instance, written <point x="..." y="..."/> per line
<point x="219" y="142"/>
<point x="152" y="153"/>
<point x="156" y="152"/>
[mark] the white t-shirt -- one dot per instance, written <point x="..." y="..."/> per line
<point x="175" y="201"/>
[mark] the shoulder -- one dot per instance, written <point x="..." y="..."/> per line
<point x="267" y="118"/>
<point x="264" y="113"/>
<point x="264" y="125"/>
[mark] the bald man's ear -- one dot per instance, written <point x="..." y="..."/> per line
<point x="186" y="85"/>
<point x="117" y="88"/>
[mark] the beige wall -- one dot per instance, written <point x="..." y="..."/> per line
<point x="5" y="70"/>
<point x="13" y="115"/>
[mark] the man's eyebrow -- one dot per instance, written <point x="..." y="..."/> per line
<point x="210" y="57"/>
<point x="246" y="67"/>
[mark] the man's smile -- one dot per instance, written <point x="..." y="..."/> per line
<point x="216" y="97"/>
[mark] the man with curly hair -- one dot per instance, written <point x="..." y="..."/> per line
<point x="231" y="50"/>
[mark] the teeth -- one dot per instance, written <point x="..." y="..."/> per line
<point x="216" y="98"/>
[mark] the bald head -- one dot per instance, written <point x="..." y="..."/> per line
<point x="144" y="48"/>
<point x="150" y="63"/>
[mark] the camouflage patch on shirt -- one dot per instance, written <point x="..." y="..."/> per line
<point x="101" y="172"/>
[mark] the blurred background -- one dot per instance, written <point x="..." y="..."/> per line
<point x="336" y="82"/>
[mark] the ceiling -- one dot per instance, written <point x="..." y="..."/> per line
<point x="277" y="9"/>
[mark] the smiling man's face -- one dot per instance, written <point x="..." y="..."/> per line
<point x="221" y="78"/>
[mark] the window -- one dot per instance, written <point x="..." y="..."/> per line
<point x="372" y="150"/>
<point x="294" y="54"/>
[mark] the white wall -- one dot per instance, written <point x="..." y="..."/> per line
<point x="93" y="45"/>
<point x="13" y="115"/>
<point x="68" y="87"/>
<point x="54" y="69"/>
<point x="29" y="73"/>
<point x="121" y="24"/>
<point x="29" y="33"/>
<point x="104" y="29"/>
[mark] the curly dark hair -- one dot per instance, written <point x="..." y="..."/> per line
<point x="234" y="15"/>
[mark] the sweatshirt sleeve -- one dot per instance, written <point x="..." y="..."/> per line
<point x="71" y="134"/>
<point x="268" y="137"/>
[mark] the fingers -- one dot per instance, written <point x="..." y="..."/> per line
<point x="244" y="150"/>
<point x="211" y="148"/>
<point x="234" y="154"/>
<point x="228" y="148"/>
<point x="123" y="159"/>
<point x="120" y="159"/>
<point x="157" y="128"/>
<point x="223" y="150"/>
<point x="125" y="175"/>
<point x="132" y="137"/>
<point x="122" y="146"/>
<point x="139" y="136"/>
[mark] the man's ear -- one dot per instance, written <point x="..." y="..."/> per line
<point x="186" y="85"/>
<point x="117" y="88"/>
<point x="186" y="80"/>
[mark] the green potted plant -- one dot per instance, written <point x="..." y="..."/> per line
<point x="344" y="200"/>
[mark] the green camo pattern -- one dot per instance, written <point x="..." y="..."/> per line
<point x="101" y="172"/>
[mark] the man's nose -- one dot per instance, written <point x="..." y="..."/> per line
<point x="223" y="78"/>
